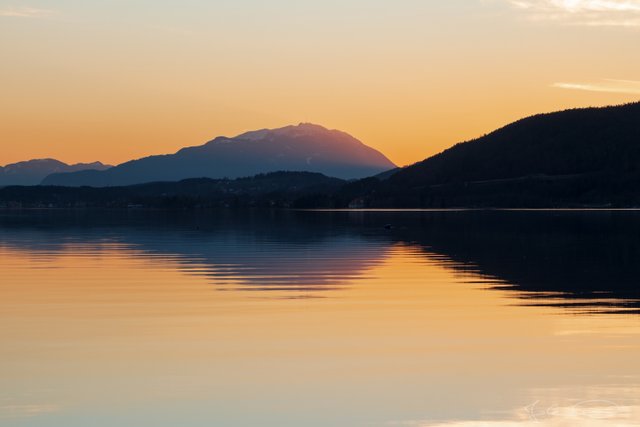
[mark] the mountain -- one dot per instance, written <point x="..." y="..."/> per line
<point x="572" y="158"/>
<point x="306" y="147"/>
<point x="32" y="172"/>
<point x="569" y="159"/>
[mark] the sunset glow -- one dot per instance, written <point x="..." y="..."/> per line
<point x="112" y="81"/>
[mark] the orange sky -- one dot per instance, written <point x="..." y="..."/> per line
<point x="111" y="81"/>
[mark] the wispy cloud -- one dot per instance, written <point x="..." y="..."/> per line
<point x="26" y="410"/>
<point x="631" y="87"/>
<point x="623" y="13"/>
<point x="24" y="12"/>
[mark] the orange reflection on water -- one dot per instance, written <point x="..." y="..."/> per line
<point x="113" y="330"/>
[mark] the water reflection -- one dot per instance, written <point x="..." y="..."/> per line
<point x="156" y="319"/>
<point x="586" y="261"/>
<point x="583" y="261"/>
<point x="254" y="251"/>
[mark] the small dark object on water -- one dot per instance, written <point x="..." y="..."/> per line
<point x="388" y="226"/>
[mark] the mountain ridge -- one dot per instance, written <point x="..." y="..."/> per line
<point x="32" y="172"/>
<point x="302" y="148"/>
<point x="534" y="142"/>
<point x="577" y="157"/>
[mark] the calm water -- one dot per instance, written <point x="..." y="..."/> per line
<point x="448" y="319"/>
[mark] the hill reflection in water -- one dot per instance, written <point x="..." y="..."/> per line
<point x="318" y="319"/>
<point x="586" y="261"/>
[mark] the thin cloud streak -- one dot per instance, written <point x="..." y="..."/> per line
<point x="601" y="13"/>
<point x="630" y="87"/>
<point x="25" y="12"/>
<point x="577" y="6"/>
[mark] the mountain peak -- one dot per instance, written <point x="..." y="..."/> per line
<point x="311" y="126"/>
<point x="305" y="147"/>
<point x="301" y="129"/>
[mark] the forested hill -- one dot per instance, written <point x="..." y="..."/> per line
<point x="570" y="142"/>
<point x="278" y="189"/>
<point x="575" y="158"/>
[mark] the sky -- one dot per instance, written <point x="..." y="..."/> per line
<point x="86" y="80"/>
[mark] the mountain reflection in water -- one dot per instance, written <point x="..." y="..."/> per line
<point x="359" y="319"/>
<point x="582" y="260"/>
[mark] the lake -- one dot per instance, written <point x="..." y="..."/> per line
<point x="293" y="318"/>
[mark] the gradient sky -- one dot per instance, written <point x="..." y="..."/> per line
<point x="114" y="80"/>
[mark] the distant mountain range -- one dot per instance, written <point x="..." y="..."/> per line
<point x="571" y="159"/>
<point x="302" y="148"/>
<point x="32" y="172"/>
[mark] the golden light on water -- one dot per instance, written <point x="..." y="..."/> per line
<point x="406" y="335"/>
